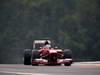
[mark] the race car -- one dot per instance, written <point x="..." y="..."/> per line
<point x="44" y="52"/>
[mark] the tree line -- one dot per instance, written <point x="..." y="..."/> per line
<point x="73" y="24"/>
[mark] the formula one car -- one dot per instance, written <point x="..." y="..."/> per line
<point x="43" y="52"/>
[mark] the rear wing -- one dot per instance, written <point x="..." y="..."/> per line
<point x="40" y="42"/>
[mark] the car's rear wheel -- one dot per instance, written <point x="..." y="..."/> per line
<point x="27" y="57"/>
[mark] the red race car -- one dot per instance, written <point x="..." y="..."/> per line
<point x="44" y="53"/>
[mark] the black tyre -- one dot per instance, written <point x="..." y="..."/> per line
<point x="67" y="53"/>
<point x="27" y="57"/>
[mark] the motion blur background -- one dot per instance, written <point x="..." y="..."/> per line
<point x="73" y="24"/>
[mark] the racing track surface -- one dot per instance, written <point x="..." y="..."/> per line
<point x="83" y="68"/>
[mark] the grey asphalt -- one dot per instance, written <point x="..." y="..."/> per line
<point x="75" y="69"/>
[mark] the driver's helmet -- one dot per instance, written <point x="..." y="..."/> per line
<point x="46" y="42"/>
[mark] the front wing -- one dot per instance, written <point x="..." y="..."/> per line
<point x="44" y="61"/>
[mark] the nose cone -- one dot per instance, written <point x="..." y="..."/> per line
<point x="52" y="51"/>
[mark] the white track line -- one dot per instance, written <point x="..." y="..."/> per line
<point x="20" y="73"/>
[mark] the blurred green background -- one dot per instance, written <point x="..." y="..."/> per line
<point x="73" y="24"/>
